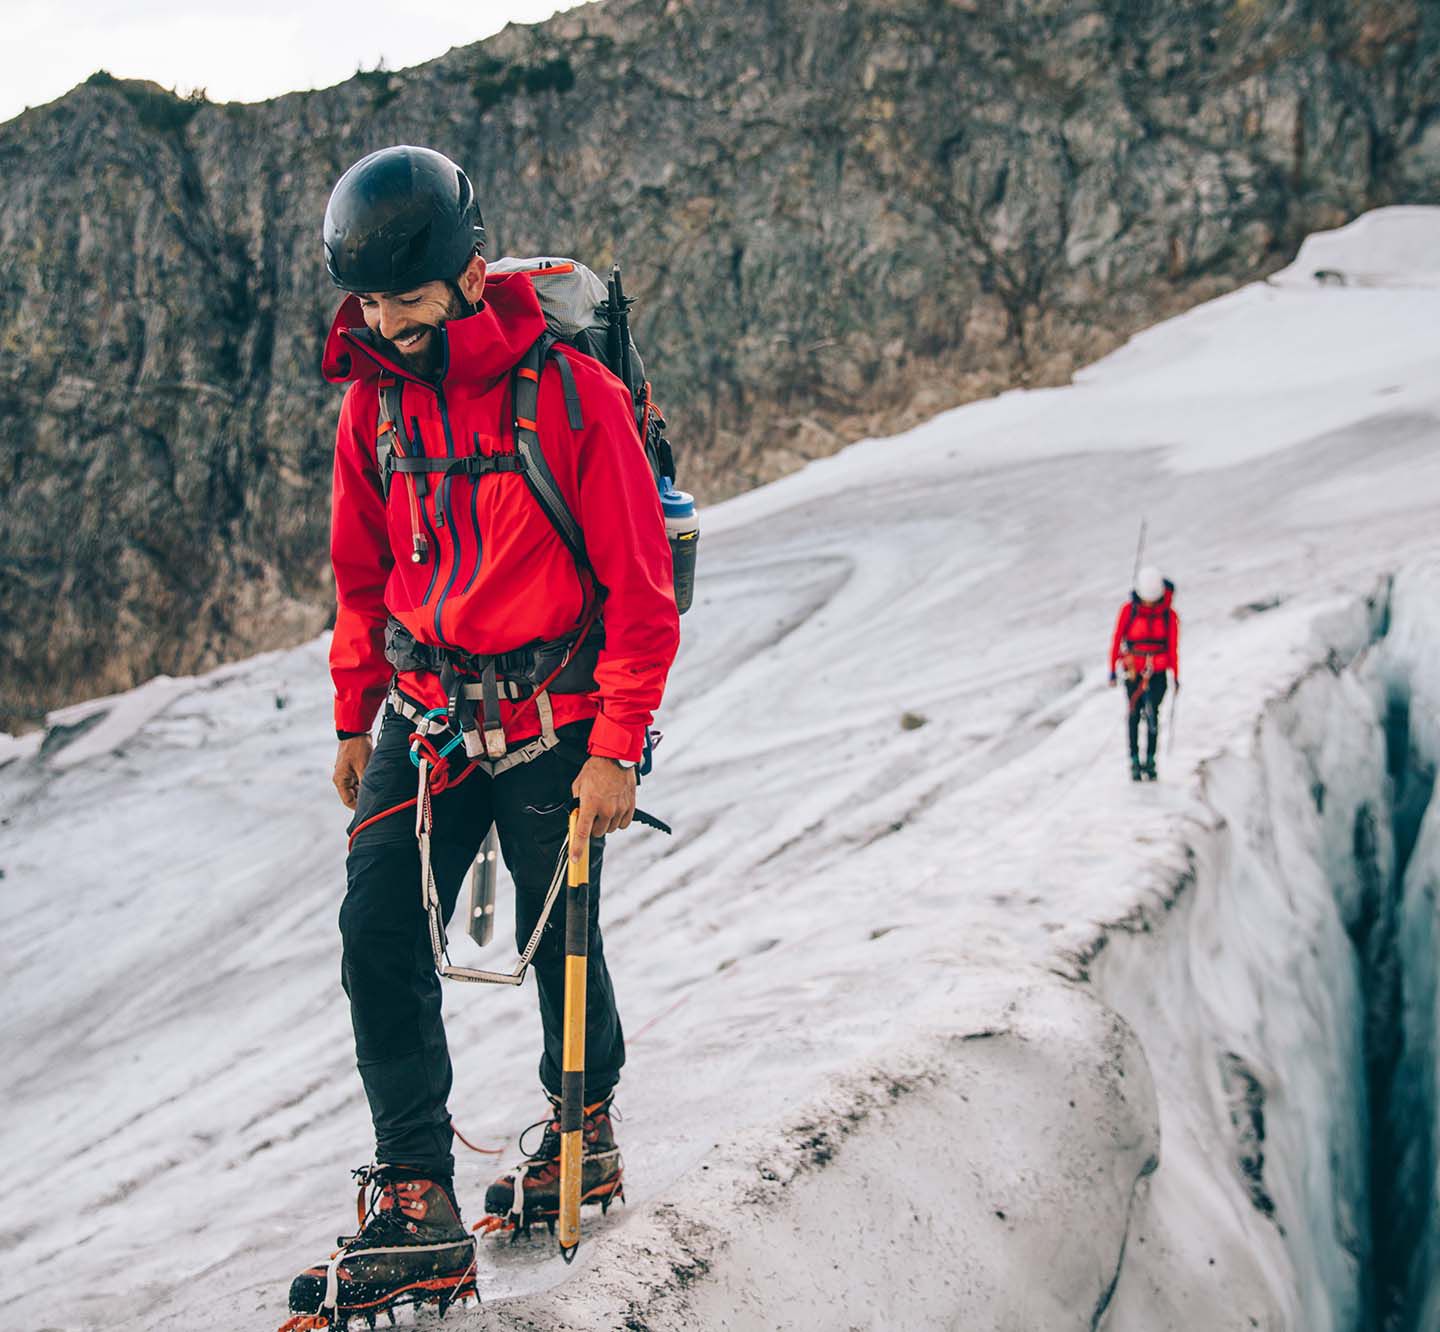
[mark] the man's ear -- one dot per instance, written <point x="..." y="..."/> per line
<point x="472" y="280"/>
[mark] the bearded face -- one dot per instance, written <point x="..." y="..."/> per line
<point x="407" y="324"/>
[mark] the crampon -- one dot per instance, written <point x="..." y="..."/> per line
<point x="518" y="1224"/>
<point x="411" y="1249"/>
<point x="530" y="1193"/>
<point x="441" y="1292"/>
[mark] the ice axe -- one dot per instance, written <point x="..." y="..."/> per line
<point x="572" y="1066"/>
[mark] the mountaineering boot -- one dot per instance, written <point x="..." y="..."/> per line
<point x="411" y="1249"/>
<point x="531" y="1192"/>
<point x="1149" y="770"/>
<point x="1136" y="771"/>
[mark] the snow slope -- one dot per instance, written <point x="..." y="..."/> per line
<point x="872" y="1080"/>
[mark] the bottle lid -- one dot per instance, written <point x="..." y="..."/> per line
<point x="676" y="503"/>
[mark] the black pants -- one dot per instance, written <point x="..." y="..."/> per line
<point x="387" y="968"/>
<point x="1145" y="698"/>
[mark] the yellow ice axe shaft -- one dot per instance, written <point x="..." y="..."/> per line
<point x="572" y="1073"/>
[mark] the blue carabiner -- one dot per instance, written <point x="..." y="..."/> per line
<point x="415" y="745"/>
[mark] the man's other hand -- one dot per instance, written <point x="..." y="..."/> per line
<point x="350" y="763"/>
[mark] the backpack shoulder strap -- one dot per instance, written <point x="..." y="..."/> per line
<point x="567" y="384"/>
<point x="387" y="429"/>
<point x="525" y="395"/>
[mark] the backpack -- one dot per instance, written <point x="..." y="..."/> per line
<point x="582" y="315"/>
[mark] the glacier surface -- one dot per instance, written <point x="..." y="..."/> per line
<point x="935" y="1019"/>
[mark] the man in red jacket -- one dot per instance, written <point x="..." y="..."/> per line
<point x="1145" y="645"/>
<point x="458" y="598"/>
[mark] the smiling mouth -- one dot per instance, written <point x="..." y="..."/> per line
<point x="411" y="340"/>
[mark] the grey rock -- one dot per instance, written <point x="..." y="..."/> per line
<point x="839" y="216"/>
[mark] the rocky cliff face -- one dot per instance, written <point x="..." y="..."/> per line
<point x="839" y="216"/>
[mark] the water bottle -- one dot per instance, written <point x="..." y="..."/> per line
<point x="682" y="526"/>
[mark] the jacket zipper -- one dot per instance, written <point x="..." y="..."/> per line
<point x="475" y="525"/>
<point x="442" y="506"/>
<point x="443" y="516"/>
<point x="425" y="517"/>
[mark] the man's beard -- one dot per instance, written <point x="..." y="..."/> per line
<point x="424" y="360"/>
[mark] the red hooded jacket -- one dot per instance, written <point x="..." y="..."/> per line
<point x="1147" y="633"/>
<point x="496" y="575"/>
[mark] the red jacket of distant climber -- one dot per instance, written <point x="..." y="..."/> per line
<point x="496" y="575"/>
<point x="1147" y="636"/>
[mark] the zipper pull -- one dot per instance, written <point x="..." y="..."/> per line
<point x="422" y="547"/>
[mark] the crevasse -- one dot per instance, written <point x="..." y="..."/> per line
<point x="1285" y="996"/>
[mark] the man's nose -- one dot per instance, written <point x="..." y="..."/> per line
<point x="391" y="322"/>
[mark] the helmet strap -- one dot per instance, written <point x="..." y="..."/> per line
<point x="465" y="305"/>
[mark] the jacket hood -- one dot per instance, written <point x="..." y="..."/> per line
<point x="481" y="347"/>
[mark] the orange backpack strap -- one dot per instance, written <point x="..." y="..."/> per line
<point x="389" y="431"/>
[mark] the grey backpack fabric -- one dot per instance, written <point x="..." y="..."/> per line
<point x="570" y="294"/>
<point x="573" y="299"/>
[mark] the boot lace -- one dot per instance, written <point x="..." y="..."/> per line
<point x="382" y="1222"/>
<point x="549" y="1148"/>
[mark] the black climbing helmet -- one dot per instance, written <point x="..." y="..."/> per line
<point x="399" y="218"/>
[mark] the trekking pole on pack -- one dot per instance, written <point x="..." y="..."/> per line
<point x="572" y="1066"/>
<point x="617" y="314"/>
<point x="1139" y="553"/>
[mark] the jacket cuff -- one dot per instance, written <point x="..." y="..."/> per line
<point x="609" y="739"/>
<point x="350" y="718"/>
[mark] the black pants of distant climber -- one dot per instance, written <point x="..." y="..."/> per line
<point x="1145" y="697"/>
<point x="387" y="968"/>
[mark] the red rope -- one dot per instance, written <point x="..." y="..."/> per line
<point x="631" y="1038"/>
<point x="484" y="1151"/>
<point x="384" y="814"/>
<point x="580" y="636"/>
<point x="447" y="785"/>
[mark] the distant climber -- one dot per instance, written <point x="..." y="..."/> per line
<point x="1146" y="646"/>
